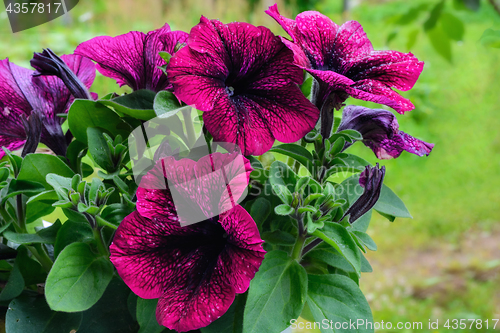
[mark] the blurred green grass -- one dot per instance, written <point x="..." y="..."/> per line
<point x="453" y="194"/>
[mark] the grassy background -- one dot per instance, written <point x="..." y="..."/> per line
<point x="444" y="263"/>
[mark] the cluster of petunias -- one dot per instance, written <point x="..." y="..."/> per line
<point x="246" y="81"/>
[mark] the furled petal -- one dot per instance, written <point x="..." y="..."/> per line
<point x="371" y="179"/>
<point x="380" y="131"/>
<point x="48" y="63"/>
<point x="132" y="59"/>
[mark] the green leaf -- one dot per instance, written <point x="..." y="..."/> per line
<point x="283" y="210"/>
<point x="412" y="38"/>
<point x="278" y="237"/>
<point x="434" y="16"/>
<point x="260" y="210"/>
<point x="339" y="238"/>
<point x="452" y="26"/>
<point x="30" y="269"/>
<point x="115" y="213"/>
<point x="85" y="113"/>
<point x="72" y="232"/>
<point x="363" y="222"/>
<point x="440" y="42"/>
<point x="138" y="104"/>
<point x="146" y="316"/>
<point x="15" y="161"/>
<point x="390" y="204"/>
<point x="307" y="85"/>
<point x="166" y="104"/>
<point x="231" y="321"/>
<point x="283" y="193"/>
<point x="77" y="279"/>
<point x="46" y="235"/>
<point x="337" y="299"/>
<point x="490" y="38"/>
<point x="32" y="315"/>
<point x="15" y="284"/>
<point x="36" y="167"/>
<point x="299" y="153"/>
<point x="48" y="197"/>
<point x="391" y="36"/>
<point x="332" y="257"/>
<point x="277" y="294"/>
<point x="110" y="314"/>
<point x="76" y="151"/>
<point x="99" y="149"/>
<point x="38" y="209"/>
<point x="366" y="239"/>
<point x="16" y="187"/>
<point x="4" y="174"/>
<point x="281" y="174"/>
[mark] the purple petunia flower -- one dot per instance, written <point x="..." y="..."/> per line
<point x="343" y="61"/>
<point x="244" y="79"/>
<point x="380" y="131"/>
<point x="195" y="270"/>
<point x="133" y="58"/>
<point x="22" y="95"/>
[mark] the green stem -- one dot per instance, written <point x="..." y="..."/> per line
<point x="100" y="242"/>
<point x="297" y="248"/>
<point x="105" y="223"/>
<point x="186" y="114"/>
<point x="41" y="255"/>
<point x="296" y="164"/>
<point x="20" y="212"/>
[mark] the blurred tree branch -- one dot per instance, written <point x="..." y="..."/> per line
<point x="495" y="5"/>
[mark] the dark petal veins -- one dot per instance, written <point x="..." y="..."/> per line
<point x="378" y="92"/>
<point x="396" y="69"/>
<point x="351" y="43"/>
<point x="184" y="309"/>
<point x="131" y="59"/>
<point x="196" y="300"/>
<point x="253" y="122"/>
<point x="154" y="256"/>
<point x="114" y="56"/>
<point x="246" y="253"/>
<point x="317" y="36"/>
<point x="198" y="78"/>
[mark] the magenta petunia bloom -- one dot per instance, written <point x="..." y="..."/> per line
<point x="380" y="130"/>
<point x="344" y="63"/>
<point x="244" y="79"/>
<point x="22" y="95"/>
<point x="195" y="270"/>
<point x="133" y="58"/>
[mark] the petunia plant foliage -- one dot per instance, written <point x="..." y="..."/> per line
<point x="218" y="195"/>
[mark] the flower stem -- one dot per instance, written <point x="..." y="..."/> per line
<point x="39" y="252"/>
<point x="297" y="248"/>
<point x="186" y="114"/>
<point x="311" y="245"/>
<point x="20" y="212"/>
<point x="100" y="242"/>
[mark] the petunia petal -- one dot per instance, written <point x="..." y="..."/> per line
<point x="317" y="36"/>
<point x="351" y="43"/>
<point x="378" y="92"/>
<point x="396" y="69"/>
<point x="380" y="131"/>
<point x="287" y="24"/>
<point x="131" y="59"/>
